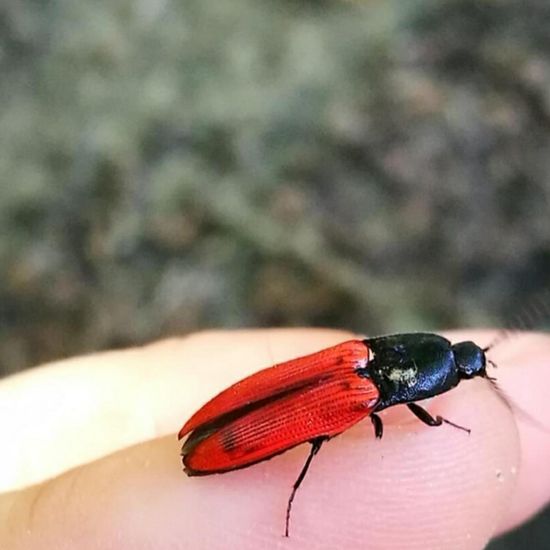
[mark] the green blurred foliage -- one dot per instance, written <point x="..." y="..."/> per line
<point x="169" y="166"/>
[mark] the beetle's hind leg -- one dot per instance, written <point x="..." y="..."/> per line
<point x="315" y="446"/>
<point x="427" y="418"/>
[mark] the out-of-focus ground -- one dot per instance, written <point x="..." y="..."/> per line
<point x="170" y="166"/>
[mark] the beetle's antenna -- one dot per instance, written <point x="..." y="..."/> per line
<point x="531" y="315"/>
<point x="514" y="407"/>
<point x="537" y="310"/>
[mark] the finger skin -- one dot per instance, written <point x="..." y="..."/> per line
<point x="419" y="487"/>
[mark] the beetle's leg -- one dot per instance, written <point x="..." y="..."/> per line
<point x="378" y="426"/>
<point x="315" y="446"/>
<point x="427" y="418"/>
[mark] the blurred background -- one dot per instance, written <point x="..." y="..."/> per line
<point x="169" y="166"/>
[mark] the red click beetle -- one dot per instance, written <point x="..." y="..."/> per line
<point x="316" y="397"/>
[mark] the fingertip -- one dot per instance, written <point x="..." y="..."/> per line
<point x="447" y="486"/>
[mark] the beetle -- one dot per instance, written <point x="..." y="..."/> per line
<point x="317" y="397"/>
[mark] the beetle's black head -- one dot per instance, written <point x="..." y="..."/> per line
<point x="470" y="360"/>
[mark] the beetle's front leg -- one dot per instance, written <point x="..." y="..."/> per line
<point x="427" y="418"/>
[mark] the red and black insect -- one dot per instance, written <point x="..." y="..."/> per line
<point x="316" y="397"/>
